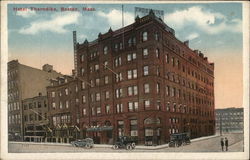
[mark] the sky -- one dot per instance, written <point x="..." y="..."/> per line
<point x="39" y="37"/>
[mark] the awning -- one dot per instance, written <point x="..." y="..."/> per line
<point x="96" y="129"/>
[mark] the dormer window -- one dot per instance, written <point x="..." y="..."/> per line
<point x="144" y="36"/>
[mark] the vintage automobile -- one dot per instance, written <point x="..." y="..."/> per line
<point x="124" y="142"/>
<point x="178" y="139"/>
<point x="87" y="143"/>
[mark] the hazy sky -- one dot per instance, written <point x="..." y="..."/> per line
<point x="39" y="37"/>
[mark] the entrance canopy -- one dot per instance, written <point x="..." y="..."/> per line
<point x="97" y="129"/>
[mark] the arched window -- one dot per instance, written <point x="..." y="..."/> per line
<point x="144" y="36"/>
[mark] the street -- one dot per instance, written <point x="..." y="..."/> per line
<point x="206" y="144"/>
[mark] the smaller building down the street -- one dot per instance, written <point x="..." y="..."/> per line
<point x="229" y="120"/>
<point x="35" y="120"/>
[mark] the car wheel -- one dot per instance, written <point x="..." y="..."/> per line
<point x="133" y="145"/>
<point x="128" y="147"/>
<point x="115" y="147"/>
<point x="87" y="146"/>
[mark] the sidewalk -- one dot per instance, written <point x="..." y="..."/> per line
<point x="110" y="146"/>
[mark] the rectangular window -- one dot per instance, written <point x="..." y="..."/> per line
<point x="167" y="90"/>
<point x="145" y="52"/>
<point x="83" y="85"/>
<point x="158" y="88"/>
<point x="173" y="62"/>
<point x="129" y="57"/>
<point x="97" y="97"/>
<point x="119" y="108"/>
<point x="66" y="91"/>
<point x="146" y="103"/>
<point x="119" y="93"/>
<point x="130" y="91"/>
<point x="97" y="67"/>
<point x="98" y="110"/>
<point x="146" y="88"/>
<point x="134" y="56"/>
<point x="60" y="105"/>
<point x="130" y="106"/>
<point x="93" y="111"/>
<point x="39" y="104"/>
<point x="82" y="58"/>
<point x="134" y="73"/>
<point x="53" y="94"/>
<point x="107" y="109"/>
<point x="83" y="99"/>
<point x="106" y="79"/>
<point x="135" y="90"/>
<point x="107" y="95"/>
<point x="144" y="36"/>
<point x="129" y="74"/>
<point x="84" y="111"/>
<point x="97" y="81"/>
<point x="67" y="104"/>
<point x="54" y="105"/>
<point x="145" y="70"/>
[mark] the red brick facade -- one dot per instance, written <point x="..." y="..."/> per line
<point x="166" y="89"/>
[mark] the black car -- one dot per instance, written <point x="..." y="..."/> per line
<point x="124" y="142"/>
<point x="87" y="143"/>
<point x="179" y="139"/>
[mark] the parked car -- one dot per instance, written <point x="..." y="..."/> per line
<point x="179" y="139"/>
<point x="124" y="142"/>
<point x="87" y="143"/>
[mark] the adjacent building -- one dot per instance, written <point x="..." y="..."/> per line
<point x="24" y="82"/>
<point x="142" y="81"/>
<point x="35" y="113"/>
<point x="64" y="114"/>
<point x="229" y="120"/>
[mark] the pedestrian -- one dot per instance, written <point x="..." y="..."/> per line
<point x="226" y="143"/>
<point x="222" y="144"/>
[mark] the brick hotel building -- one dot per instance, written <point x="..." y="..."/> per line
<point x="141" y="81"/>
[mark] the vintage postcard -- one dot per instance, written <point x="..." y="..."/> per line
<point x="124" y="80"/>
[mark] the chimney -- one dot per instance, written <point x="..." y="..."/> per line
<point x="47" y="68"/>
<point x="196" y="51"/>
<point x="201" y="54"/>
<point x="39" y="94"/>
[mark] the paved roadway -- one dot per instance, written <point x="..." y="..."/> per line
<point x="204" y="145"/>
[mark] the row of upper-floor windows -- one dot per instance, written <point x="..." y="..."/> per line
<point x="14" y="119"/>
<point x="170" y="91"/>
<point x="133" y="56"/>
<point x="133" y="106"/>
<point x="12" y="74"/>
<point x="12" y="84"/>
<point x="133" y="74"/>
<point x="61" y="119"/>
<point x="62" y="104"/>
<point x="144" y="37"/>
<point x="13" y="106"/>
<point x="65" y="91"/>
<point x="35" y="117"/>
<point x="229" y="113"/>
<point x="37" y="104"/>
<point x="13" y="95"/>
